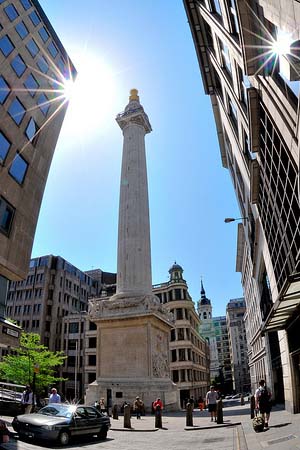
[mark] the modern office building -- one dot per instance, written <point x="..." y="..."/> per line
<point x="189" y="351"/>
<point x="207" y="330"/>
<point x="253" y="82"/>
<point x="53" y="289"/>
<point x="235" y="312"/>
<point x="53" y="302"/>
<point x="223" y="348"/>
<point x="33" y="68"/>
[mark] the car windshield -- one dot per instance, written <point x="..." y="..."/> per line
<point x="58" y="410"/>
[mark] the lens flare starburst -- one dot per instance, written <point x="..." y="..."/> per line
<point x="272" y="48"/>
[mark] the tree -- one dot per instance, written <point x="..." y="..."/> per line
<point x="33" y="363"/>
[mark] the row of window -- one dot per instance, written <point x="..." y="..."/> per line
<point x="23" y="309"/>
<point x="31" y="85"/>
<point x="22" y="30"/>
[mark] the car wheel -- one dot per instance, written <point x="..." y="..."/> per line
<point x="64" y="438"/>
<point x="102" y="434"/>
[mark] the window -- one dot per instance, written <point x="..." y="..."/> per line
<point x="4" y="147"/>
<point x="11" y="12"/>
<point x="233" y="113"/>
<point x="180" y="334"/>
<point x="72" y="344"/>
<point x="31" y="84"/>
<point x="244" y="85"/>
<point x="93" y="326"/>
<point x="92" y="360"/>
<point x="42" y="64"/>
<point x="16" y="111"/>
<point x="44" y="34"/>
<point x="92" y="342"/>
<point x="6" y="46"/>
<point x="4" y="90"/>
<point x="62" y="68"/>
<point x="21" y="29"/>
<point x="92" y="377"/>
<point x="233" y="16"/>
<point x="52" y="50"/>
<point x="226" y="58"/>
<point x="26" y="4"/>
<point x="217" y="7"/>
<point x="6" y="216"/>
<point x="18" y="65"/>
<point x="18" y="168"/>
<point x="73" y="327"/>
<point x="43" y="103"/>
<point x="34" y="18"/>
<point x="32" y="48"/>
<point x="173" y="335"/>
<point x="31" y="130"/>
<point x="71" y="361"/>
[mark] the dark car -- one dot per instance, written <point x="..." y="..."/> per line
<point x="60" y="422"/>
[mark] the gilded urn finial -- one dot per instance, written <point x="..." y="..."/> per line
<point x="134" y="95"/>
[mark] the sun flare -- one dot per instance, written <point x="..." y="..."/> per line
<point x="91" y="95"/>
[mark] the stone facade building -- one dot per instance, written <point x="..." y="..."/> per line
<point x="189" y="351"/>
<point x="207" y="330"/>
<point x="253" y="82"/>
<point x="34" y="66"/>
<point x="53" y="301"/>
<point x="235" y="312"/>
<point x="224" y="354"/>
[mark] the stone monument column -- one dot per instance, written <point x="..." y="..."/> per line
<point x="133" y="328"/>
<point x="134" y="257"/>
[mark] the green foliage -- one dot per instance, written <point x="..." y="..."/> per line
<point x="32" y="354"/>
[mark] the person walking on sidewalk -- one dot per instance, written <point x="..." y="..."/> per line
<point x="54" y="397"/>
<point x="27" y="400"/>
<point x="211" y="401"/>
<point x="201" y="403"/>
<point x="263" y="402"/>
<point x="138" y="407"/>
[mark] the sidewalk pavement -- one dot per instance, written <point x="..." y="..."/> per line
<point x="283" y="432"/>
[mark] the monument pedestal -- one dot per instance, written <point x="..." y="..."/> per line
<point x="133" y="352"/>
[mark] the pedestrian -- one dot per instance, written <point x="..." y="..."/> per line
<point x="102" y="405"/>
<point x="263" y="402"/>
<point x="211" y="401"/>
<point x="54" y="396"/>
<point x="201" y="403"/>
<point x="191" y="401"/>
<point x="157" y="403"/>
<point x="158" y="406"/>
<point x="138" y="407"/>
<point x="27" y="400"/>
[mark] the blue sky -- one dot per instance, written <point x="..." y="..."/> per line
<point x="147" y="45"/>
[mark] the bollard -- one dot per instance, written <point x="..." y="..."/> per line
<point x="242" y="400"/>
<point x="127" y="423"/>
<point x="189" y="415"/>
<point x="158" y="419"/>
<point x="115" y="412"/>
<point x="252" y="406"/>
<point x="219" y="411"/>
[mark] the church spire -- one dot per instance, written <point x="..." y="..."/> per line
<point x="202" y="290"/>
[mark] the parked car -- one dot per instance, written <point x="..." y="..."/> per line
<point x="236" y="396"/>
<point x="60" y="422"/>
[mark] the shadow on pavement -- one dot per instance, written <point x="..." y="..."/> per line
<point x="16" y="444"/>
<point x="279" y="425"/>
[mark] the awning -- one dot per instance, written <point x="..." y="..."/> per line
<point x="284" y="307"/>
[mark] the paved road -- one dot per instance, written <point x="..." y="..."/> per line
<point x="284" y="434"/>
<point x="166" y="439"/>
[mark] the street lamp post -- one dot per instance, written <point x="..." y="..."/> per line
<point x="232" y="219"/>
